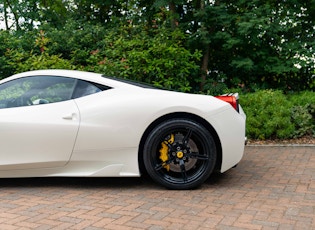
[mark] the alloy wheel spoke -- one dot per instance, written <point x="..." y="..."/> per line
<point x="187" y="137"/>
<point x="160" y="166"/>
<point x="183" y="170"/>
<point x="198" y="156"/>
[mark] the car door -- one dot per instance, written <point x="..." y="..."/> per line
<point x="38" y="122"/>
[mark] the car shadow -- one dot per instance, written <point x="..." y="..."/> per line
<point x="76" y="182"/>
<point x="93" y="182"/>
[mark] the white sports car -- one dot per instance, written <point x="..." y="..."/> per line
<point x="80" y="124"/>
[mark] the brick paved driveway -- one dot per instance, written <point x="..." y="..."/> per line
<point x="272" y="188"/>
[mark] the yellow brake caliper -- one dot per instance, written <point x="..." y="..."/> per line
<point x="164" y="151"/>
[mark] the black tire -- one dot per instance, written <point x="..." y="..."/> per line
<point x="189" y="158"/>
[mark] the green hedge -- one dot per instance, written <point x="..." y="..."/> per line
<point x="273" y="115"/>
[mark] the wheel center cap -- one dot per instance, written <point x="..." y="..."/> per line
<point x="180" y="154"/>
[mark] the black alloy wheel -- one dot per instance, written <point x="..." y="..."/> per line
<point x="179" y="154"/>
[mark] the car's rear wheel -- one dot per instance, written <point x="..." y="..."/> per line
<point x="179" y="154"/>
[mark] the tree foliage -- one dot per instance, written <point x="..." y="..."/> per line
<point x="158" y="57"/>
<point x="192" y="45"/>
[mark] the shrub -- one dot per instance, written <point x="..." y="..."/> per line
<point x="158" y="57"/>
<point x="268" y="115"/>
<point x="272" y="114"/>
<point x="43" y="61"/>
<point x="31" y="60"/>
<point x="303" y="119"/>
<point x="303" y="113"/>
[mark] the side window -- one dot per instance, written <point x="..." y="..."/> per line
<point x="35" y="90"/>
<point x="84" y="88"/>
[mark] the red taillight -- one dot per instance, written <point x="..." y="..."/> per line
<point x="230" y="98"/>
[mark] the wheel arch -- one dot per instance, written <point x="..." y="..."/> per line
<point x="189" y="116"/>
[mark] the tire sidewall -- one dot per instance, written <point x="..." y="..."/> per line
<point x="153" y="143"/>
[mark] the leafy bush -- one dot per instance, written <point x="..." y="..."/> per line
<point x="157" y="57"/>
<point x="35" y="59"/>
<point x="302" y="98"/>
<point x="268" y="115"/>
<point x="271" y="114"/>
<point x="303" y="119"/>
<point x="303" y="113"/>
<point x="43" y="61"/>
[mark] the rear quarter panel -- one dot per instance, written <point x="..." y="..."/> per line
<point x="113" y="122"/>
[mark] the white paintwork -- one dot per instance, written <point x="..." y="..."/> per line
<point x="99" y="134"/>
<point x="37" y="136"/>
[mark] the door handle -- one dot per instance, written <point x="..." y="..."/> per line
<point x="71" y="116"/>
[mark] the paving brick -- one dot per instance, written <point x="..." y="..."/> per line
<point x="272" y="188"/>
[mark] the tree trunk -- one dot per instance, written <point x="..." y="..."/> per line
<point x="206" y="51"/>
<point x="174" y="22"/>
<point x="5" y="15"/>
<point x="205" y="57"/>
<point x="16" y="16"/>
<point x="204" y="66"/>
